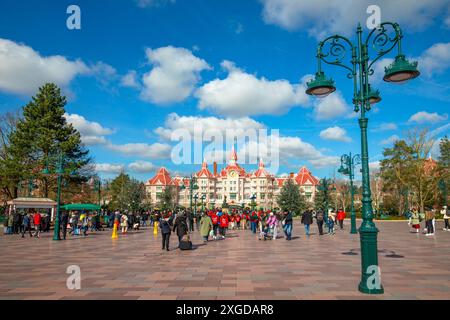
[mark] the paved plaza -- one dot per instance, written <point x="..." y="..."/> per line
<point x="241" y="267"/>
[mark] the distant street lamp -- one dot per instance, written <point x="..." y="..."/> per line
<point x="332" y="50"/>
<point x="347" y="168"/>
<point x="203" y="202"/>
<point x="195" y="204"/>
<point x="192" y="186"/>
<point x="253" y="203"/>
<point x="59" y="173"/>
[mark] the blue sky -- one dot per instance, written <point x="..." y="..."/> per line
<point x="140" y="69"/>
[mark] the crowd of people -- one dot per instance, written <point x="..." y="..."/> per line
<point x="429" y="219"/>
<point x="212" y="224"/>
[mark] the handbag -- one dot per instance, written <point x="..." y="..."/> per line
<point x="211" y="233"/>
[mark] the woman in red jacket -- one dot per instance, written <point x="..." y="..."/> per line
<point x="340" y="217"/>
<point x="223" y="224"/>
<point x="215" y="222"/>
<point x="37" y="219"/>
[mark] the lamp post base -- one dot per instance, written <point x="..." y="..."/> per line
<point x="370" y="273"/>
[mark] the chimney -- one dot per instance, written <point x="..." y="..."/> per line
<point x="215" y="168"/>
<point x="291" y="175"/>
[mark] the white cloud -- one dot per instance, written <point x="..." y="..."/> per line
<point x="435" y="60"/>
<point x="325" y="17"/>
<point x="325" y="161"/>
<point x="109" y="168"/>
<point x="335" y="134"/>
<point x="92" y="133"/>
<point x="390" y="140"/>
<point x="23" y="70"/>
<point x="331" y="107"/>
<point x="142" y="167"/>
<point x="175" y="73"/>
<point x="242" y="94"/>
<point x="130" y="80"/>
<point x="152" y="151"/>
<point x="175" y="122"/>
<point x="386" y="126"/>
<point x="427" y="117"/>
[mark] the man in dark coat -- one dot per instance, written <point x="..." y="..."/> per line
<point x="63" y="223"/>
<point x="320" y="218"/>
<point x="180" y="226"/>
<point x="307" y="220"/>
<point x="166" y="228"/>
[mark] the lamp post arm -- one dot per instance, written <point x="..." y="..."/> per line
<point x="336" y="53"/>
<point x="382" y="42"/>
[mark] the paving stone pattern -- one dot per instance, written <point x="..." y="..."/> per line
<point x="241" y="267"/>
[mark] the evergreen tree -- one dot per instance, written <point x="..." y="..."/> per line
<point x="167" y="198"/>
<point x="40" y="136"/>
<point x="290" y="198"/>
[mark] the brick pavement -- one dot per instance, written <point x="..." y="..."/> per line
<point x="241" y="267"/>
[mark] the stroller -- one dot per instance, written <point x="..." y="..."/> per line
<point x="266" y="233"/>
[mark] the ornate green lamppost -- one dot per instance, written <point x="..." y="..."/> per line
<point x="59" y="173"/>
<point x="192" y="186"/>
<point x="98" y="189"/>
<point x="203" y="202"/>
<point x="333" y="51"/>
<point x="195" y="204"/>
<point x="348" y="163"/>
<point x="253" y="203"/>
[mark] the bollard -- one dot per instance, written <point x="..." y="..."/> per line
<point x="155" y="228"/>
<point x="115" y="230"/>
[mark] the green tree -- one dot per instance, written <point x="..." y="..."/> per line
<point x="8" y="181"/>
<point x="396" y="170"/>
<point x="40" y="136"/>
<point x="167" y="201"/>
<point x="290" y="198"/>
<point x="444" y="169"/>
<point x="126" y="193"/>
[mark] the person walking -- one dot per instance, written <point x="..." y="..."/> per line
<point x="272" y="224"/>
<point x="165" y="225"/>
<point x="64" y="222"/>
<point x="331" y="224"/>
<point x="307" y="220"/>
<point x="446" y="214"/>
<point x="254" y="221"/>
<point x="206" y="226"/>
<point x="190" y="218"/>
<point x="37" y="218"/>
<point x="287" y="225"/>
<point x="223" y="224"/>
<point x="124" y="223"/>
<point x="429" y="216"/>
<point x="180" y="226"/>
<point x="10" y="224"/>
<point x="215" y="222"/>
<point x="319" y="219"/>
<point x="26" y="225"/>
<point x="414" y="221"/>
<point x="340" y="218"/>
